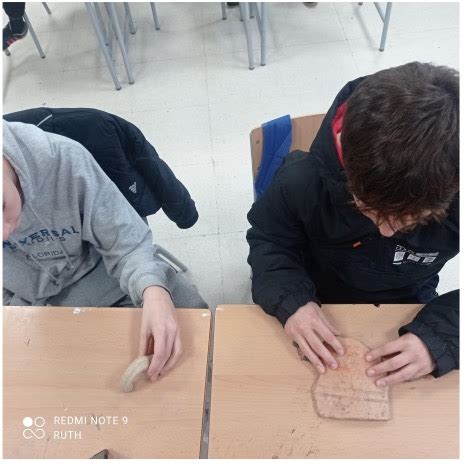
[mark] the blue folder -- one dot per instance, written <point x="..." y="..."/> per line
<point x="277" y="140"/>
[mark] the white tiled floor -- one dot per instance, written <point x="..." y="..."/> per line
<point x="196" y="101"/>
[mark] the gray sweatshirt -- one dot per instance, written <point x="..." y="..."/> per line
<point x="76" y="227"/>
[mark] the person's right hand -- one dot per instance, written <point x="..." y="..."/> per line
<point x="309" y="328"/>
<point x="159" y="332"/>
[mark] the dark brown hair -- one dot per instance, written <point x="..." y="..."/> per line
<point x="400" y="141"/>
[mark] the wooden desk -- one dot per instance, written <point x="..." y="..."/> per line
<point x="261" y="405"/>
<point x="68" y="362"/>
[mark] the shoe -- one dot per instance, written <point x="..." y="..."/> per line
<point x="10" y="37"/>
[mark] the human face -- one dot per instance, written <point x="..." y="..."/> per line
<point x="390" y="225"/>
<point x="11" y="200"/>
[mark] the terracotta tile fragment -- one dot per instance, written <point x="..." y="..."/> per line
<point x="347" y="392"/>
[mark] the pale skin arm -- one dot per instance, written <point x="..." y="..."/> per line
<point x="159" y="331"/>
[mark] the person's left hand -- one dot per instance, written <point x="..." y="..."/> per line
<point x="408" y="359"/>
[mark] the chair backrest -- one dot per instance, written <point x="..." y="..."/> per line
<point x="304" y="130"/>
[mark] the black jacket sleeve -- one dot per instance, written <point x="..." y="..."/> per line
<point x="175" y="199"/>
<point x="437" y="325"/>
<point x="280" y="282"/>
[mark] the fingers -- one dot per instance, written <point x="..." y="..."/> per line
<point x="390" y="365"/>
<point x="159" y="354"/>
<point x="162" y="355"/>
<point x="175" y="355"/>
<point x="143" y="343"/>
<point x="330" y="338"/>
<point x="321" y="351"/>
<point x="329" y="324"/>
<point x="408" y="372"/>
<point x="313" y="333"/>
<point x="310" y="354"/>
<point x="151" y="345"/>
<point x="389" y="348"/>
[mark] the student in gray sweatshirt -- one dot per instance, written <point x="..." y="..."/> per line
<point x="70" y="238"/>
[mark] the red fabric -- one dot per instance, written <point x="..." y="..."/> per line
<point x="337" y="128"/>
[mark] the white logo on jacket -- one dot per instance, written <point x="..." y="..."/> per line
<point x="402" y="255"/>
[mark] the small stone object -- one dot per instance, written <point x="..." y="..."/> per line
<point x="347" y="392"/>
<point x="135" y="368"/>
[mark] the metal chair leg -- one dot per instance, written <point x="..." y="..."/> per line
<point x="109" y="62"/>
<point x="155" y="16"/>
<point x="261" y="19"/>
<point x="385" y="17"/>
<point x="120" y="37"/>
<point x="170" y="257"/>
<point x="244" y="10"/>
<point x="110" y="35"/>
<point x="46" y="8"/>
<point x="102" y="24"/>
<point x="224" y="10"/>
<point x="34" y="37"/>
<point x="132" y="27"/>
<point x="252" y="15"/>
<point x="7" y="52"/>
<point x="386" y="22"/>
<point x="263" y="29"/>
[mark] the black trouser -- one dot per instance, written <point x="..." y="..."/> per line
<point x="14" y="10"/>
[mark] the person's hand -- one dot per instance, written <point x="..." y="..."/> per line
<point x="159" y="332"/>
<point x="408" y="359"/>
<point x="310" y="328"/>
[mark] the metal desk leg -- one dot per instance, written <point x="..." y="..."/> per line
<point x="34" y="37"/>
<point x="224" y="10"/>
<point x="155" y="16"/>
<point x="245" y="12"/>
<point x="93" y="17"/>
<point x="120" y="37"/>
<point x="46" y="8"/>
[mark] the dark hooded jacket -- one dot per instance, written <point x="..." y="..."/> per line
<point x="308" y="242"/>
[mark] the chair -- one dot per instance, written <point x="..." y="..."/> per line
<point x="304" y="130"/>
<point x="105" y="36"/>
<point x="33" y="34"/>
<point x="248" y="11"/>
<point x="385" y="17"/>
<point x="97" y="23"/>
<point x="166" y="256"/>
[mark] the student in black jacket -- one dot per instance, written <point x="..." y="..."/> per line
<point x="369" y="215"/>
